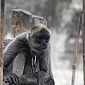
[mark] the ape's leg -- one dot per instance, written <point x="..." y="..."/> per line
<point x="30" y="79"/>
<point x="12" y="79"/>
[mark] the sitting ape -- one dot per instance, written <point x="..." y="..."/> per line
<point x="36" y="50"/>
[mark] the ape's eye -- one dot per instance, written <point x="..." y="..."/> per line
<point x="41" y="38"/>
<point x="38" y="39"/>
<point x="47" y="38"/>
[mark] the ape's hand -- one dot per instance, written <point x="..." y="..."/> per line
<point x="50" y="81"/>
<point x="11" y="79"/>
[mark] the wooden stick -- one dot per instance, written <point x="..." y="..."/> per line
<point x="2" y="27"/>
<point x="1" y="38"/>
<point x="76" y="51"/>
<point x="84" y="39"/>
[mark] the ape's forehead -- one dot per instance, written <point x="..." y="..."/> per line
<point x="39" y="28"/>
<point x="42" y="26"/>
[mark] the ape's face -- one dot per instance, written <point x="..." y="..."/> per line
<point x="39" y="40"/>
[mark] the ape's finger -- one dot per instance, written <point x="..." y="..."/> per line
<point x="14" y="79"/>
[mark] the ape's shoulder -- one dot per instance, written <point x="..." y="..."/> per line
<point x="17" y="41"/>
<point x="23" y="36"/>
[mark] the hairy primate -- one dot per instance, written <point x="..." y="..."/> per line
<point x="35" y="47"/>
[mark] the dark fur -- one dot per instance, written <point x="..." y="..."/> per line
<point x="20" y="44"/>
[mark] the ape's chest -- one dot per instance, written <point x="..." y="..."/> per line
<point x="31" y="65"/>
<point x="23" y="63"/>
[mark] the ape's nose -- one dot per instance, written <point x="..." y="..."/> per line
<point x="44" y="44"/>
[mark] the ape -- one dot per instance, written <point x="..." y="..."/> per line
<point x="35" y="48"/>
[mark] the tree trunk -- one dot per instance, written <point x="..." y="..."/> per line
<point x="23" y="20"/>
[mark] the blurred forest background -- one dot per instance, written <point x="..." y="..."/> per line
<point x="62" y="17"/>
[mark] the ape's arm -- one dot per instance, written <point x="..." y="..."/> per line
<point x="45" y="66"/>
<point x="12" y="49"/>
<point x="44" y="61"/>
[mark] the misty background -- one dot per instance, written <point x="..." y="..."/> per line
<point x="62" y="17"/>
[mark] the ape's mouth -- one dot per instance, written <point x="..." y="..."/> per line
<point x="41" y="48"/>
<point x="44" y="47"/>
